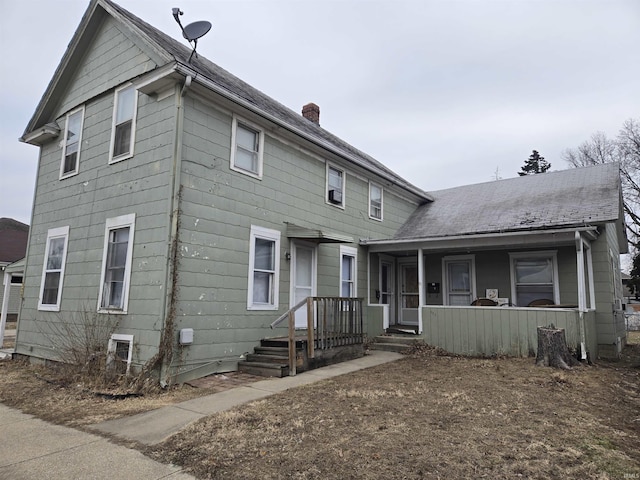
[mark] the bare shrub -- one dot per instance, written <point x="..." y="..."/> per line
<point x="81" y="341"/>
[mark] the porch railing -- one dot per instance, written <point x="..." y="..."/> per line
<point x="331" y="322"/>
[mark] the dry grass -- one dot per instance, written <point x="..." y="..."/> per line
<point x="426" y="416"/>
<point x="430" y="416"/>
<point x="47" y="394"/>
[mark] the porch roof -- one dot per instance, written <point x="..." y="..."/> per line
<point x="544" y="205"/>
<point x="316" y="234"/>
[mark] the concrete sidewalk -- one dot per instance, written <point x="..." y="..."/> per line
<point x="155" y="426"/>
<point x="32" y="449"/>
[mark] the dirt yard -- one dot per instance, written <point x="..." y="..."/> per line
<point x="425" y="416"/>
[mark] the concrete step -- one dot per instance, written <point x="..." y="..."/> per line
<point x="263" y="369"/>
<point x="398" y="339"/>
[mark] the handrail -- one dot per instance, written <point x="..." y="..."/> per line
<point x="286" y="314"/>
<point x="339" y="322"/>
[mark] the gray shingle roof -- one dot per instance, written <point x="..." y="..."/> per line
<point x="259" y="100"/>
<point x="574" y="197"/>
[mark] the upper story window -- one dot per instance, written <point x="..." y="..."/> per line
<point x="335" y="186"/>
<point x="116" y="264"/>
<point x="124" y="123"/>
<point x="534" y="276"/>
<point x="375" y="201"/>
<point x="55" y="256"/>
<point x="72" y="143"/>
<point x="246" y="148"/>
<point x="264" y="267"/>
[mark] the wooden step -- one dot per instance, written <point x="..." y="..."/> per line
<point x="277" y="351"/>
<point x="263" y="369"/>
<point x="268" y="358"/>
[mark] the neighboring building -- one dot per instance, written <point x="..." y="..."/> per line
<point x="197" y="211"/>
<point x="13" y="246"/>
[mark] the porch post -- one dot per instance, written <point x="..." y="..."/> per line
<point x="5" y="305"/>
<point x="582" y="293"/>
<point x="420" y="288"/>
<point x="592" y="288"/>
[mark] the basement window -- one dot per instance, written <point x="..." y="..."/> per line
<point x="119" y="353"/>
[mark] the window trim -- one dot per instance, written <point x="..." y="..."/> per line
<point x="129" y="154"/>
<point x="344" y="186"/>
<point x="445" y="275"/>
<point x="112" y="345"/>
<point x="65" y="139"/>
<point x="248" y="126"/>
<point x="271" y="235"/>
<point x="553" y="254"/>
<point x="115" y="223"/>
<point x="53" y="233"/>
<point x="371" y="215"/>
<point x="347" y="251"/>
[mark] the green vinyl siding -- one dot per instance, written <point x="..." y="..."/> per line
<point x="219" y="206"/>
<point x="140" y="185"/>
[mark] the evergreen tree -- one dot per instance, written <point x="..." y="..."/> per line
<point x="535" y="164"/>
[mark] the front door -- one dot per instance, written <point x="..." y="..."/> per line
<point x="387" y="291"/>
<point x="409" y="294"/>
<point x="459" y="281"/>
<point x="303" y="278"/>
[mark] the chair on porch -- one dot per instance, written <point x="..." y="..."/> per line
<point x="541" y="302"/>
<point x="484" y="302"/>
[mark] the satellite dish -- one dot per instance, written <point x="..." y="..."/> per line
<point x="193" y="31"/>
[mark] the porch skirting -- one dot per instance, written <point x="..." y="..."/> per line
<point x="508" y="331"/>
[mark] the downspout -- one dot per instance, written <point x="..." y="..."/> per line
<point x="172" y="256"/>
<point x="420" y="288"/>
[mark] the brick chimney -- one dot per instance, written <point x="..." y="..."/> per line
<point x="311" y="111"/>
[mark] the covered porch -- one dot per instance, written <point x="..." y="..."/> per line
<point x="486" y="294"/>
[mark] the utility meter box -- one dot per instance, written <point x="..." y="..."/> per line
<point x="186" y="336"/>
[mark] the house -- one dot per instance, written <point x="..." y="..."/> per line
<point x="202" y="217"/>
<point x="13" y="245"/>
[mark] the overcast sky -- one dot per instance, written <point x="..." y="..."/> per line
<point x="445" y="93"/>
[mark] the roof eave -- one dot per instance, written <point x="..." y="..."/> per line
<point x="484" y="240"/>
<point x="211" y="85"/>
<point x="90" y="21"/>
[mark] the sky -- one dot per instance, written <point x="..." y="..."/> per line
<point x="445" y="93"/>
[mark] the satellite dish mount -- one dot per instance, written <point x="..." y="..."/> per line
<point x="193" y="31"/>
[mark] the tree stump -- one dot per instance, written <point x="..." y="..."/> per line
<point x="553" y="350"/>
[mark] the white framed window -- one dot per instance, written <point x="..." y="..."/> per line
<point x="115" y="277"/>
<point x="348" y="271"/>
<point x="459" y="280"/>
<point x="264" y="267"/>
<point x="247" y="144"/>
<point x="375" y="201"/>
<point x="72" y="142"/>
<point x="55" y="256"/>
<point x="534" y="276"/>
<point x="123" y="131"/>
<point x="119" y="353"/>
<point x="335" y="186"/>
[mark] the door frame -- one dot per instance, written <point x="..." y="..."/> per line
<point x="471" y="259"/>
<point x="295" y="244"/>
<point x="400" y="318"/>
<point x="391" y="284"/>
